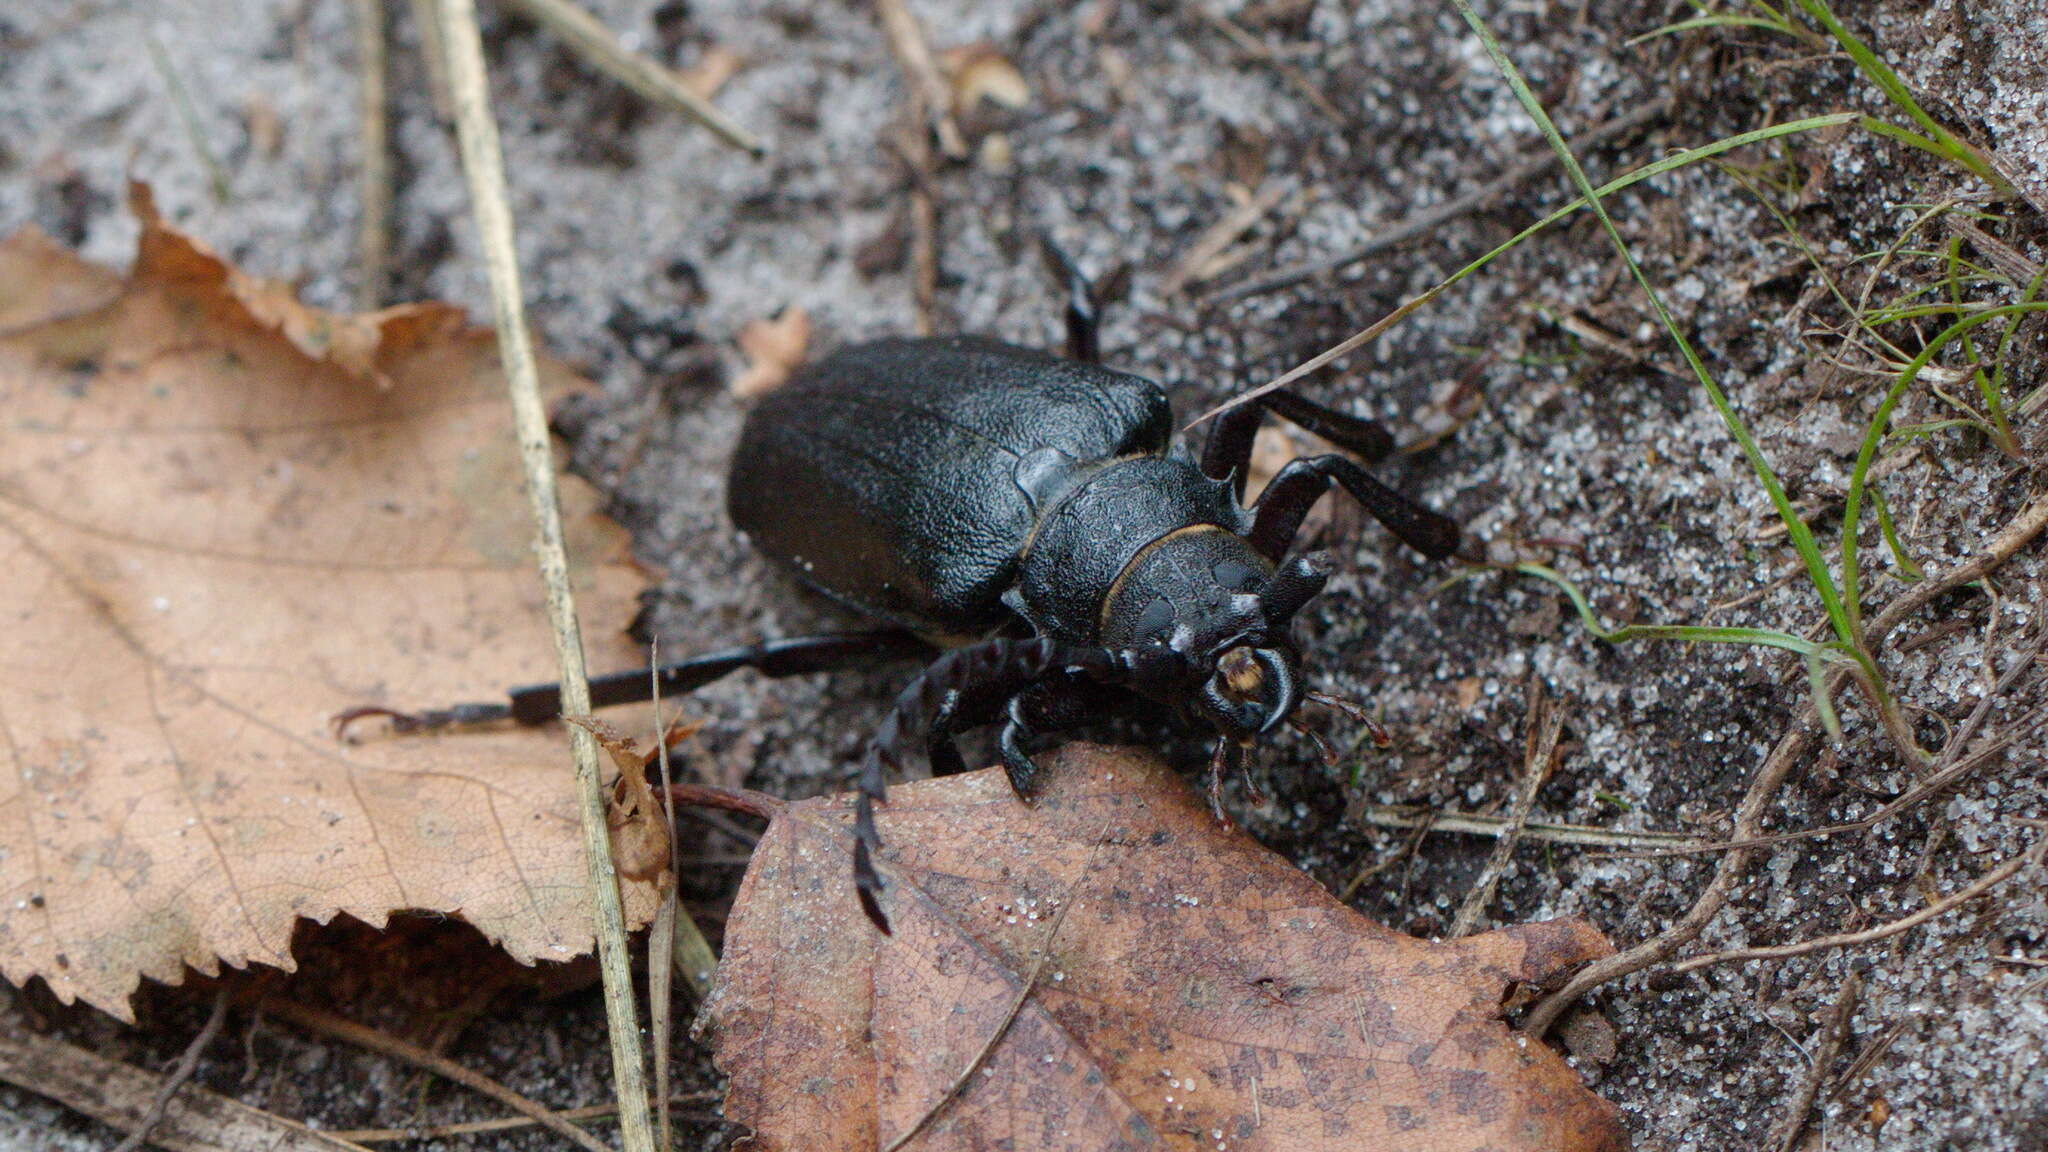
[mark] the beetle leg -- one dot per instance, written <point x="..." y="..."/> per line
<point x="1221" y="762"/>
<point x="540" y="703"/>
<point x="1023" y="771"/>
<point x="1083" y="314"/>
<point x="1228" y="454"/>
<point x="1363" y="438"/>
<point x="962" y="688"/>
<point x="1288" y="498"/>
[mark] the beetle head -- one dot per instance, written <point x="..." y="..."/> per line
<point x="1208" y="596"/>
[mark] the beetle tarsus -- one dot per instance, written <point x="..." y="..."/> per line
<point x="1017" y="762"/>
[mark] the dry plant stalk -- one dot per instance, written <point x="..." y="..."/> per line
<point x="591" y="40"/>
<point x="930" y="94"/>
<point x="1546" y="725"/>
<point x="188" y="1061"/>
<point x="119" y="1095"/>
<point x="384" y="1044"/>
<point x="373" y="231"/>
<point x="482" y="162"/>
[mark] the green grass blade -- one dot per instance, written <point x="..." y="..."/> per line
<point x="1691" y="633"/>
<point x="1795" y="527"/>
<point x="1724" y="20"/>
<point x="1909" y="570"/>
<point x="1938" y="139"/>
<point x="1873" y="437"/>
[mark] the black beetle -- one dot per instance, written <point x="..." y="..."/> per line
<point x="1026" y="514"/>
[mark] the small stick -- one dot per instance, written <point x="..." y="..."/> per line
<point x="1219" y="236"/>
<point x="429" y="26"/>
<point x="1833" y="1035"/>
<point x="180" y="1074"/>
<point x="384" y="1044"/>
<point x="661" y="935"/>
<point x="1258" y="49"/>
<point x="501" y="1124"/>
<point x="1583" y="835"/>
<point x="590" y="39"/>
<point x="373" y="232"/>
<point x="1979" y="887"/>
<point x="929" y="93"/>
<point x="924" y="227"/>
<point x="483" y="163"/>
<point x="118" y="1095"/>
<point x="1546" y="724"/>
<point x="1430" y="219"/>
<point x="744" y="800"/>
<point x="1422" y="828"/>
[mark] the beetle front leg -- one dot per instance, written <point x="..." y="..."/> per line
<point x="961" y="689"/>
<point x="1288" y="498"/>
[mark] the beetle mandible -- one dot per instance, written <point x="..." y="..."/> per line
<point x="1028" y="517"/>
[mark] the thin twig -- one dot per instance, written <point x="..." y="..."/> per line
<point x="429" y="25"/>
<point x="180" y="1074"/>
<point x="590" y="39"/>
<point x="1218" y="237"/>
<point x="1432" y="218"/>
<point x="661" y="935"/>
<point x="1832" y="1036"/>
<point x="188" y="114"/>
<point x="924" y="224"/>
<point x="1979" y="887"/>
<point x="118" y="1095"/>
<point x="1017" y="1003"/>
<point x="384" y="1044"/>
<point x="482" y="162"/>
<point x="2008" y="260"/>
<point x="744" y="800"/>
<point x="500" y="1124"/>
<point x="1582" y="835"/>
<point x="1935" y="784"/>
<point x="1258" y="49"/>
<point x="1546" y="724"/>
<point x="1950" y="769"/>
<point x="373" y="232"/>
<point x="1423" y="824"/>
<point x="928" y="90"/>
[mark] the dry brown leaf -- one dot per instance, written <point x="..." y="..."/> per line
<point x="774" y="349"/>
<point x="1192" y="990"/>
<point x="357" y="343"/>
<point x="639" y="826"/>
<point x="214" y="540"/>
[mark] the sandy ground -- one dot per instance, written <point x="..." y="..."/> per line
<point x="1569" y="434"/>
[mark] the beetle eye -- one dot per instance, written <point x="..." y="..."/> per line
<point x="1157" y="617"/>
<point x="1234" y="575"/>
